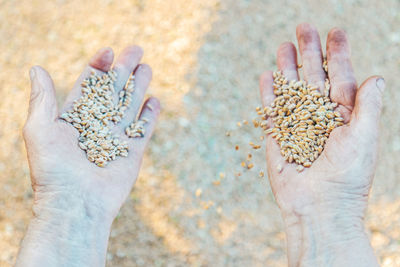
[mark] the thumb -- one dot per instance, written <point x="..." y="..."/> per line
<point x="368" y="105"/>
<point x="43" y="103"/>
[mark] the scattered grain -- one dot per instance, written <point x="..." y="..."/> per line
<point x="207" y="205"/>
<point x="217" y="182"/>
<point x="249" y="156"/>
<point x="300" y="168"/>
<point x="198" y="192"/>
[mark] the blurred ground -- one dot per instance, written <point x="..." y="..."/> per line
<point x="206" y="56"/>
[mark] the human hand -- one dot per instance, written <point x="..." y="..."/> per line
<point x="60" y="170"/>
<point x="65" y="184"/>
<point x="324" y="204"/>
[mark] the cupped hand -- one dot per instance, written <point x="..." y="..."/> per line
<point x="62" y="177"/>
<point x="331" y="195"/>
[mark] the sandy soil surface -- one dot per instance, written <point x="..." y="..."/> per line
<point x="206" y="56"/>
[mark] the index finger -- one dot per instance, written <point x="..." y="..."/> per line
<point x="266" y="88"/>
<point x="101" y="62"/>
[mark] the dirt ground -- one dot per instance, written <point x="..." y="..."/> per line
<point x="206" y="57"/>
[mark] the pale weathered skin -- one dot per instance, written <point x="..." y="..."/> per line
<point x="76" y="201"/>
<point x="323" y="206"/>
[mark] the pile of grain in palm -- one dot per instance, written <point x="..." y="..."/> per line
<point x="302" y="118"/>
<point x="95" y="113"/>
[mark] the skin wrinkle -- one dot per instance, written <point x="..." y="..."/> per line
<point x="311" y="54"/>
<point x="320" y="232"/>
<point x="143" y="74"/>
<point x="344" y="85"/>
<point x="69" y="189"/>
<point x="287" y="60"/>
<point x="338" y="37"/>
<point x="125" y="64"/>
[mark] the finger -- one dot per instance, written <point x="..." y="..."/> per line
<point x="99" y="63"/>
<point x="368" y="106"/>
<point x="287" y="60"/>
<point x="43" y="103"/>
<point x="311" y="54"/>
<point x="274" y="157"/>
<point x="143" y="75"/>
<point x="125" y="64"/>
<point x="266" y="88"/>
<point x="341" y="75"/>
<point x="150" y="112"/>
<point x="275" y="161"/>
<point x="102" y="60"/>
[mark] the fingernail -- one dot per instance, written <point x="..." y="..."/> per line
<point x="32" y="73"/>
<point x="380" y="83"/>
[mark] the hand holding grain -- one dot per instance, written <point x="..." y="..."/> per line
<point x="67" y="186"/>
<point x="323" y="206"/>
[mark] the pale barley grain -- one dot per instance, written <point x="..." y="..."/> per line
<point x="91" y="115"/>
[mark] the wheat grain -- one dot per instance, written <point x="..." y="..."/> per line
<point x="94" y="113"/>
<point x="302" y="119"/>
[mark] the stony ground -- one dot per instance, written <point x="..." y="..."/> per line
<point x="206" y="57"/>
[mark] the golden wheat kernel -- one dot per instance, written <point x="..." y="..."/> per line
<point x="243" y="164"/>
<point x="256" y="123"/>
<point x="217" y="182"/>
<point x="221" y="175"/>
<point x="300" y="168"/>
<point x="239" y="124"/>
<point x="307" y="163"/>
<point x="207" y="205"/>
<point x="249" y="166"/>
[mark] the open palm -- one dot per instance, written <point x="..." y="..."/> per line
<point x="60" y="172"/>
<point x="338" y="182"/>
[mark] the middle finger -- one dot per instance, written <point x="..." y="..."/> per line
<point x="311" y="54"/>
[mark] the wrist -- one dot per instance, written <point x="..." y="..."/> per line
<point x="327" y="239"/>
<point x="72" y="204"/>
<point x="58" y="238"/>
